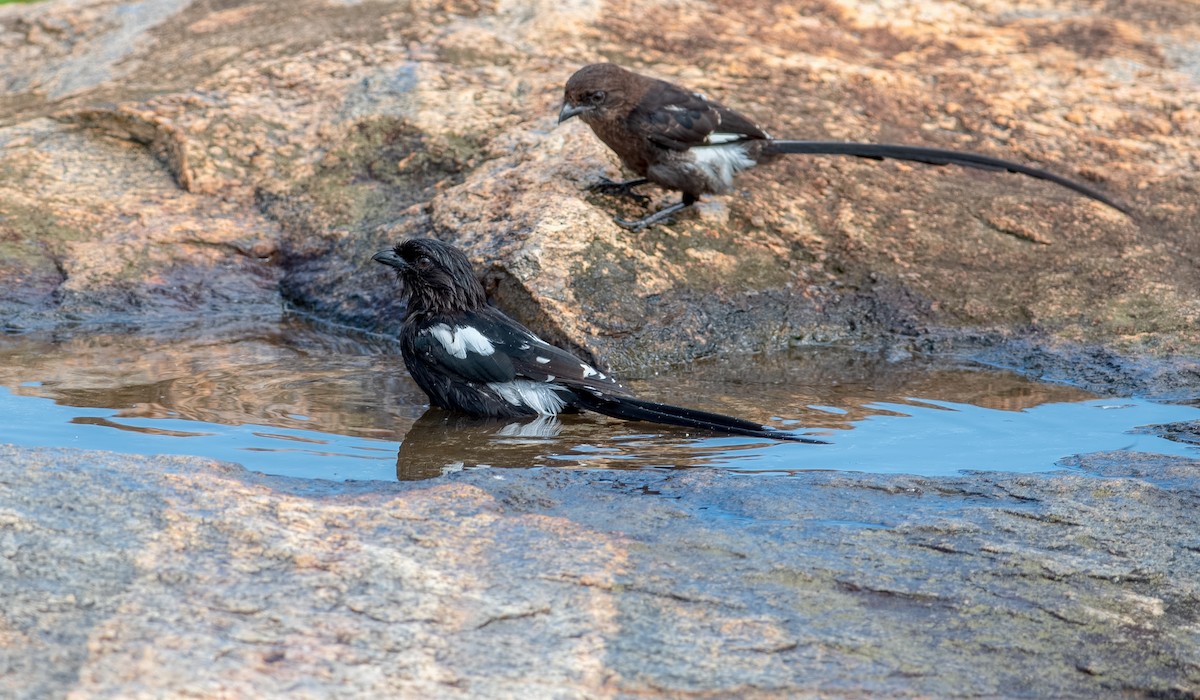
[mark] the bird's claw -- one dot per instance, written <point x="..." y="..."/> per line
<point x="664" y="214"/>
<point x="636" y="225"/>
<point x="623" y="189"/>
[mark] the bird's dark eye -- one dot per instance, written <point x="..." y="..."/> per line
<point x="423" y="263"/>
<point x="596" y="97"/>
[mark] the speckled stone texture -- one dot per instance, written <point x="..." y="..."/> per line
<point x="220" y="161"/>
<point x="176" y="577"/>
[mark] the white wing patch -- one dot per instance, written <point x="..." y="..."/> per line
<point x="722" y="161"/>
<point x="461" y="339"/>
<point x="589" y="371"/>
<point x="719" y="137"/>
<point x="540" y="397"/>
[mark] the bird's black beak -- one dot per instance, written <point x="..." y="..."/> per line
<point x="569" y="110"/>
<point x="390" y="258"/>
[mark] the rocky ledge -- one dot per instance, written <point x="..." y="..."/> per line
<point x="128" y="576"/>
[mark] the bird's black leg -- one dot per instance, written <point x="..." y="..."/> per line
<point x="624" y="189"/>
<point x="658" y="216"/>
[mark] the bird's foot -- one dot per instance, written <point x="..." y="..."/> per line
<point x="639" y="224"/>
<point x="657" y="217"/>
<point x="623" y="189"/>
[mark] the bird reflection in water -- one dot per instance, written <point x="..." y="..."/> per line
<point x="440" y="441"/>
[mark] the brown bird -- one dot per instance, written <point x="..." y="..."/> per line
<point x="681" y="140"/>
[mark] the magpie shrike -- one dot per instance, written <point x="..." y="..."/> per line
<point x="471" y="358"/>
<point x="680" y="140"/>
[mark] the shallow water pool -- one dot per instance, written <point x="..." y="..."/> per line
<point x="293" y="400"/>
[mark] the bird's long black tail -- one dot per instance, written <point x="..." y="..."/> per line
<point x="933" y="156"/>
<point x="629" y="408"/>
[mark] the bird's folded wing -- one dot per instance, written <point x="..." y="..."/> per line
<point x="543" y="362"/>
<point x="465" y="350"/>
<point x="674" y="118"/>
<point x="535" y="359"/>
<point x="487" y="346"/>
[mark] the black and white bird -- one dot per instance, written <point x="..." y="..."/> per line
<point x="681" y="140"/>
<point x="469" y="357"/>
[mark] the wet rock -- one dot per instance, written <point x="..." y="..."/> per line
<point x="1173" y="376"/>
<point x="129" y="575"/>
<point x="95" y="229"/>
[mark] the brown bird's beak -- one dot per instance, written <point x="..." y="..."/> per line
<point x="569" y="110"/>
<point x="389" y="258"/>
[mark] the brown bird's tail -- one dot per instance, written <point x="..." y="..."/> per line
<point x="628" y="408"/>
<point x="932" y="156"/>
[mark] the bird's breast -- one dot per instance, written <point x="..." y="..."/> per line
<point x="635" y="152"/>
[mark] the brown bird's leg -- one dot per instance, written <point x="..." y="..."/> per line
<point x="623" y="189"/>
<point x="658" y="216"/>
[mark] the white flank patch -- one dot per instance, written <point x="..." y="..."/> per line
<point x="540" y="427"/>
<point x="539" y="397"/>
<point x="721" y="162"/>
<point x="463" y="338"/>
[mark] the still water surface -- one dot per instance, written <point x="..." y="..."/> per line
<point x="294" y="400"/>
